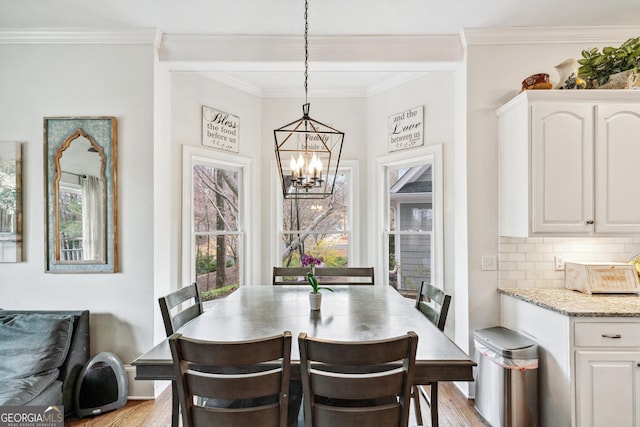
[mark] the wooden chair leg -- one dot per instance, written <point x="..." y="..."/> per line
<point x="415" y="393"/>
<point x="175" y="404"/>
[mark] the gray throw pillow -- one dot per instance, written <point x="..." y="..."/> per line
<point x="33" y="343"/>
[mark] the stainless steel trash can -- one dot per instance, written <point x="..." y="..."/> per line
<point x="506" y="378"/>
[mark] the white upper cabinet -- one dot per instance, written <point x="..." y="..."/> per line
<point x="617" y="168"/>
<point x="569" y="162"/>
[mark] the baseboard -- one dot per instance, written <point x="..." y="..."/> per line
<point x="466" y="388"/>
<point x="138" y="389"/>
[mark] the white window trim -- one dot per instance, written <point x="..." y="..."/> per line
<point x="276" y="198"/>
<point x="432" y="154"/>
<point x="190" y="156"/>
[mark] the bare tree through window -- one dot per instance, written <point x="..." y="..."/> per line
<point x="317" y="227"/>
<point x="216" y="229"/>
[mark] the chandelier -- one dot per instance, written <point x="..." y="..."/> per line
<point x="313" y="147"/>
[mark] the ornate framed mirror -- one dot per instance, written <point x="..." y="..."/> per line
<point x="80" y="194"/>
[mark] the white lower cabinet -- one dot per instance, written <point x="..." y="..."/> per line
<point x="589" y="374"/>
<point x="607" y="361"/>
<point x="607" y="388"/>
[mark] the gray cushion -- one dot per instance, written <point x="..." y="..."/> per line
<point x="50" y="396"/>
<point x="20" y="391"/>
<point x="33" y="343"/>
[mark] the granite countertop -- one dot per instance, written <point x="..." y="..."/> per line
<point x="574" y="303"/>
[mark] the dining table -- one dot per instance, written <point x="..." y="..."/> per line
<point x="350" y="313"/>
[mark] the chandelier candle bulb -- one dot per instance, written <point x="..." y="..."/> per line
<point x="313" y="167"/>
<point x="300" y="167"/>
<point x="293" y="169"/>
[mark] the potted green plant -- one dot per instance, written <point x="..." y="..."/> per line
<point x="597" y="67"/>
<point x="315" y="297"/>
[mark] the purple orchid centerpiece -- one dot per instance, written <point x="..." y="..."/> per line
<point x="308" y="260"/>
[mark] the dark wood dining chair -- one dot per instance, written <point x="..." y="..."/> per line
<point x="174" y="316"/>
<point x="233" y="384"/>
<point x="434" y="304"/>
<point x="290" y="275"/>
<point x="357" y="383"/>
<point x="174" y="320"/>
<point x="345" y="275"/>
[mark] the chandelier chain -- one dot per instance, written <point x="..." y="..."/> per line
<point x="313" y="146"/>
<point x="306" y="49"/>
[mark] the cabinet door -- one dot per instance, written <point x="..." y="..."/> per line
<point x="617" y="168"/>
<point x="561" y="168"/>
<point x="607" y="388"/>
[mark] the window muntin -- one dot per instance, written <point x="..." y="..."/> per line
<point x="410" y="242"/>
<point x="317" y="227"/>
<point x="214" y="205"/>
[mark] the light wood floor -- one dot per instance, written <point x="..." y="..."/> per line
<point x="455" y="411"/>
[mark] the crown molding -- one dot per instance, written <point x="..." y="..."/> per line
<point x="376" y="89"/>
<point x="80" y="36"/>
<point x="229" y="80"/>
<point x="548" y="35"/>
<point x="233" y="82"/>
<point x="223" y="72"/>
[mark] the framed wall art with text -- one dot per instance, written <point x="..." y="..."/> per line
<point x="406" y="129"/>
<point x="220" y="130"/>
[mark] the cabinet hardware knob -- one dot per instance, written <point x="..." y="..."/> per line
<point x="613" y="336"/>
<point x="590" y="222"/>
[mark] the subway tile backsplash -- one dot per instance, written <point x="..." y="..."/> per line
<point x="529" y="262"/>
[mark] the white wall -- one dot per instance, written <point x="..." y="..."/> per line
<point x="436" y="92"/>
<point x="189" y="92"/>
<point x="85" y="80"/>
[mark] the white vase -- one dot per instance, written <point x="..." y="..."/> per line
<point x="565" y="69"/>
<point x="315" y="299"/>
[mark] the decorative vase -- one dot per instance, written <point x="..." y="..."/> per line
<point x="315" y="299"/>
<point x="567" y="68"/>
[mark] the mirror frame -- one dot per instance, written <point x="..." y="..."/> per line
<point x="59" y="132"/>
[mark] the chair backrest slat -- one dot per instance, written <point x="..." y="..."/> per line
<point x="345" y="275"/>
<point x="326" y="275"/>
<point x="290" y="275"/>
<point x="229" y="418"/>
<point x="378" y="416"/>
<point x="242" y="383"/>
<point x="174" y="321"/>
<point x="357" y="383"/>
<point x="436" y="305"/>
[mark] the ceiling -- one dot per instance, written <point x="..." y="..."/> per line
<point x="326" y="18"/>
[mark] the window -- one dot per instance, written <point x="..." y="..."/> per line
<point x="318" y="227"/>
<point x="81" y="218"/>
<point x="413" y="229"/>
<point x="70" y="221"/>
<point x="213" y="228"/>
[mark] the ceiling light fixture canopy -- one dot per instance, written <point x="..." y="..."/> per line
<point x="313" y="147"/>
